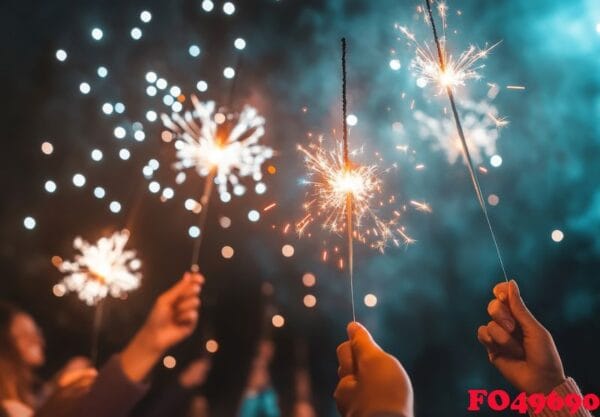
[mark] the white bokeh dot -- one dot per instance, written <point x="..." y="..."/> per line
<point x="352" y="120"/>
<point x="145" y="16"/>
<point x="207" y="5"/>
<point x="84" y="88"/>
<point x="136" y="33"/>
<point x="29" y="223"/>
<point x="50" y="186"/>
<point x="79" y="180"/>
<point x="114" y="207"/>
<point x="228" y="8"/>
<point x="557" y="235"/>
<point x="194" y="232"/>
<point x="239" y="43"/>
<point x="253" y="215"/>
<point x="61" y="55"/>
<point x="202" y="86"/>
<point x="99" y="192"/>
<point x="395" y="64"/>
<point x="229" y="72"/>
<point x="496" y="161"/>
<point x="97" y="34"/>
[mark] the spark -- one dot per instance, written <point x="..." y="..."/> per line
<point x="100" y="269"/>
<point x="499" y="121"/>
<point x="231" y="149"/>
<point x="457" y="71"/>
<point x="331" y="181"/>
<point x="421" y="206"/>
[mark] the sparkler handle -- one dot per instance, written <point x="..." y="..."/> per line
<point x="97" y="327"/>
<point x="205" y="201"/>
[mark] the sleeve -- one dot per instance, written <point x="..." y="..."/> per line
<point x="567" y="387"/>
<point x="113" y="394"/>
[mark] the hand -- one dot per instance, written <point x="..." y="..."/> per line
<point x="71" y="387"/>
<point x="372" y="382"/>
<point x="518" y="345"/>
<point x="172" y="319"/>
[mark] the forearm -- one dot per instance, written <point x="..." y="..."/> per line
<point x="140" y="356"/>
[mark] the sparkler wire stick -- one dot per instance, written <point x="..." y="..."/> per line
<point x="205" y="201"/>
<point x="208" y="187"/>
<point x="349" y="208"/>
<point x="463" y="141"/>
<point x="98" y="312"/>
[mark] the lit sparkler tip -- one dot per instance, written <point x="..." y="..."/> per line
<point x="101" y="269"/>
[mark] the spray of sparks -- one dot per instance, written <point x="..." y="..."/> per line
<point x="101" y="269"/>
<point x="331" y="181"/>
<point x="426" y="65"/>
<point x="226" y="144"/>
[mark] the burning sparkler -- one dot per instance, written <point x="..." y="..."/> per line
<point x="101" y="269"/>
<point x="346" y="196"/>
<point x="448" y="73"/>
<point x="224" y="148"/>
<point x="226" y="145"/>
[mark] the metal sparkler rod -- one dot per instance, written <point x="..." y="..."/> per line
<point x="349" y="205"/>
<point x="465" y="147"/>
<point x="204" y="201"/>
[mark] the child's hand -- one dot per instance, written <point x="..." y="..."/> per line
<point x="372" y="382"/>
<point x="518" y="345"/>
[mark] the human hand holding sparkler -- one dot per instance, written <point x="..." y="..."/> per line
<point x="372" y="382"/>
<point x="518" y="345"/>
<point x="172" y="319"/>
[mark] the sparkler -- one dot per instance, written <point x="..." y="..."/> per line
<point x="345" y="196"/>
<point x="448" y="73"/>
<point x="223" y="148"/>
<point x="101" y="269"/>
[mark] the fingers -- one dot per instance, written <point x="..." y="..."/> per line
<point x="505" y="342"/>
<point x="77" y="376"/>
<point x="344" y="393"/>
<point x="519" y="311"/>
<point x="500" y="313"/>
<point x="486" y="340"/>
<point x="344" y="354"/>
<point x="189" y="285"/>
<point x="361" y="342"/>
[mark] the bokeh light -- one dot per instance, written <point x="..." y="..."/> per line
<point x="29" y="223"/>
<point x="47" y="148"/>
<point x="277" y="320"/>
<point x="287" y="251"/>
<point x="309" y="279"/>
<point x="310" y="301"/>
<point x="370" y="300"/>
<point x="212" y="346"/>
<point x="227" y="252"/>
<point x="169" y="362"/>
<point x="557" y="235"/>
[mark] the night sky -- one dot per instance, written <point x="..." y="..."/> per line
<point x="432" y="295"/>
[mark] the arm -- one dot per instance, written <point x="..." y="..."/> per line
<point x="523" y="350"/>
<point x="120" y="384"/>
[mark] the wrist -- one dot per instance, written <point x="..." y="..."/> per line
<point x="140" y="356"/>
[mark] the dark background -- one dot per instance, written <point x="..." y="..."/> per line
<point x="432" y="295"/>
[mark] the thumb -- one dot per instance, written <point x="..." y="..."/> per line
<point x="361" y="341"/>
<point x="519" y="310"/>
